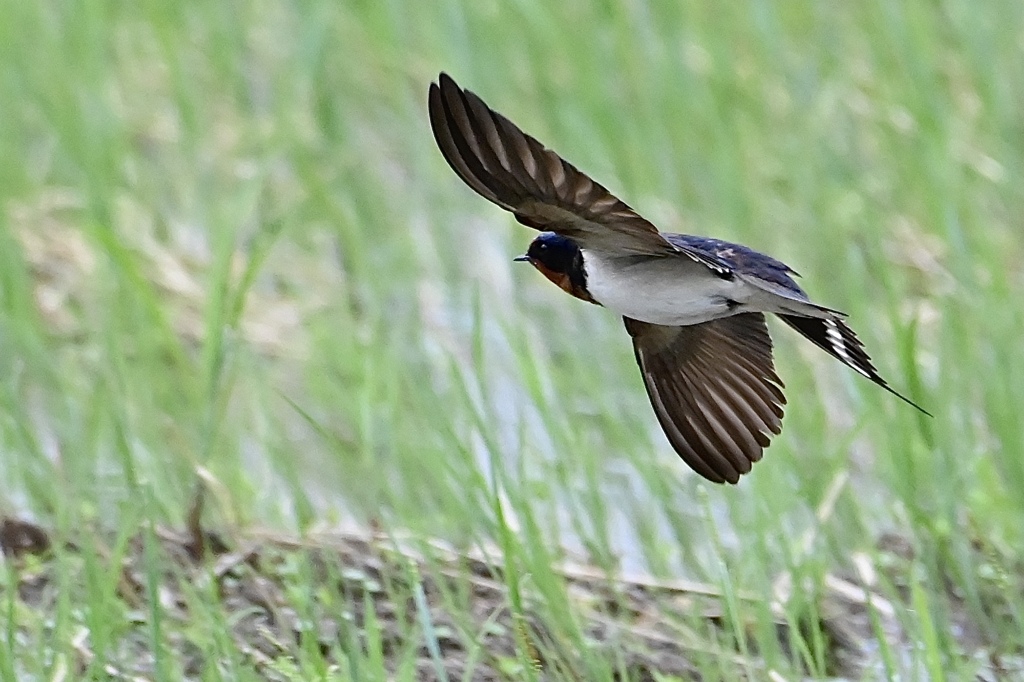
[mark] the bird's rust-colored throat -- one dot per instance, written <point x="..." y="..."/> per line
<point x="563" y="282"/>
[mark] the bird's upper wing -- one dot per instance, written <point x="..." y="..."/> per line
<point x="714" y="389"/>
<point x="544" y="191"/>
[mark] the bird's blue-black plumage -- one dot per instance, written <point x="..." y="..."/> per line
<point x="740" y="259"/>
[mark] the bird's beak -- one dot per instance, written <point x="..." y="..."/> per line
<point x="522" y="259"/>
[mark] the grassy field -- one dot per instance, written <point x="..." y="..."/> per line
<point x="232" y="257"/>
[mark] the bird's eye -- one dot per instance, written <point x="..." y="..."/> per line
<point x="543" y="246"/>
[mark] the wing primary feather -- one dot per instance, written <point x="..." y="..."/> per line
<point x="675" y="436"/>
<point x="716" y="451"/>
<point x="455" y="149"/>
<point x="677" y="415"/>
<point x="472" y="151"/>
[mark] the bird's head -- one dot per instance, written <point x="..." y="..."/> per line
<point x="560" y="260"/>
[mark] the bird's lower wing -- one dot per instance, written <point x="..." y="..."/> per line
<point x="714" y="390"/>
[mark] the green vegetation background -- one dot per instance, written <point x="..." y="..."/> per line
<point x="230" y="249"/>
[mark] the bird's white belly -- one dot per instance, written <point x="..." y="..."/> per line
<point x="667" y="291"/>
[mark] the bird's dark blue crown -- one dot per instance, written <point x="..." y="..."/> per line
<point x="556" y="252"/>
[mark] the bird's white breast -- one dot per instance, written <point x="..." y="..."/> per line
<point x="667" y="290"/>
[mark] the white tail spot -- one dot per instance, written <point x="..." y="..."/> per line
<point x="835" y="337"/>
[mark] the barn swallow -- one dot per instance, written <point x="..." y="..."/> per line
<point x="694" y="306"/>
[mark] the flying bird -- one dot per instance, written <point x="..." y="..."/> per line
<point x="693" y="306"/>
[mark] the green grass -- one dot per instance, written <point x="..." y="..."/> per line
<point x="230" y="249"/>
